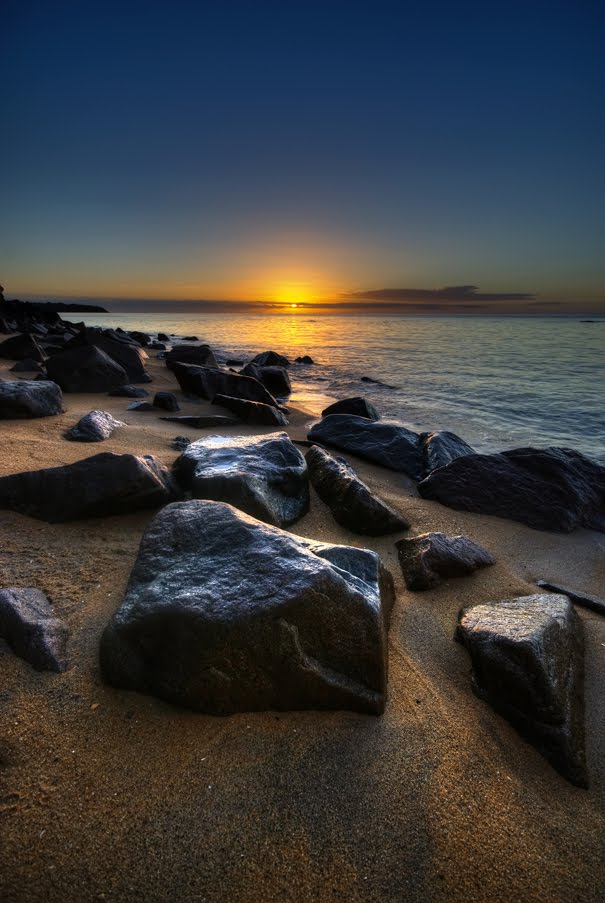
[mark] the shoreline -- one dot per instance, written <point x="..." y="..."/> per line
<point x="107" y="794"/>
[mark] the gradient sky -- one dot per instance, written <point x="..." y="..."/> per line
<point x="304" y="152"/>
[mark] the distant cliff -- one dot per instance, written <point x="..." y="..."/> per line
<point x="61" y="307"/>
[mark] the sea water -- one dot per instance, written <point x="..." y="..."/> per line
<point x="499" y="382"/>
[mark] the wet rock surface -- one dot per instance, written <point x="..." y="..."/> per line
<point x="274" y="379"/>
<point x="270" y="359"/>
<point x="527" y="655"/>
<point x="549" y="489"/>
<point x="30" y="628"/>
<point x="352" y="503"/>
<point x="101" y="485"/>
<point x="85" y="369"/>
<point x="429" y="559"/>
<point x="200" y="355"/>
<point x="252" y="411"/>
<point x="208" y="383"/>
<point x="265" y="476"/>
<point x="93" y="427"/>
<point x="23" y="398"/>
<point x="224" y="614"/>
<point x="441" y="448"/>
<point x="384" y="442"/>
<point x="358" y="406"/>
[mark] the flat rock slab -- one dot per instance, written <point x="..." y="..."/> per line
<point x="265" y="476"/>
<point x="440" y="448"/>
<point x="582" y="599"/>
<point x="93" y="427"/>
<point x="207" y="382"/>
<point x="252" y="411"/>
<point x="129" y="392"/>
<point x="224" y="614"/>
<point x="429" y="559"/>
<point x="352" y="503"/>
<point x="358" y="406"/>
<point x="528" y="663"/>
<point x="24" y="398"/>
<point x="384" y="442"/>
<point x="30" y="628"/>
<point x="102" y="485"/>
<point x="203" y="421"/>
<point x="548" y="489"/>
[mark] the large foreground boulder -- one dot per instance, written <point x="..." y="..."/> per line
<point x="30" y="628"/>
<point x="429" y="559"/>
<point x="384" y="442"/>
<point x="120" y="348"/>
<point x="101" y="485"/>
<point x="224" y="614"/>
<point x="528" y="663"/>
<point x="23" y="398"/>
<point x="358" y="406"/>
<point x="208" y="383"/>
<point x="85" y="368"/>
<point x="265" y="476"/>
<point x="352" y="503"/>
<point x="22" y="346"/>
<point x="440" y="448"/>
<point x="252" y="411"/>
<point x="93" y="427"/>
<point x="549" y="489"/>
<point x="274" y="379"/>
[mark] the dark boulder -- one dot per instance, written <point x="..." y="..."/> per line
<point x="270" y="359"/>
<point x="27" y="365"/>
<point x="200" y="355"/>
<point x="162" y="337"/>
<point x="208" y="382"/>
<point x="265" y="476"/>
<point x="224" y="614"/>
<point x="305" y="359"/>
<point x="129" y="392"/>
<point x="528" y="663"/>
<point x="93" y="427"/>
<point x="274" y="379"/>
<point x="167" y="401"/>
<point x="442" y="447"/>
<point x="352" y="503"/>
<point x="140" y="337"/>
<point x="157" y="346"/>
<point x="102" y="485"/>
<point x="203" y="421"/>
<point x="22" y="346"/>
<point x="252" y="411"/>
<point x="28" y="625"/>
<point x="429" y="559"/>
<point x="141" y="406"/>
<point x="85" y="369"/>
<point x="359" y="407"/>
<point x="120" y="348"/>
<point x="548" y="489"/>
<point x="384" y="442"/>
<point x="180" y="443"/>
<point x="23" y="398"/>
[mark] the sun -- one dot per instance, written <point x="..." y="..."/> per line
<point x="294" y="305"/>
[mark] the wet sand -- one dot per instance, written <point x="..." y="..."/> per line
<point x="106" y="794"/>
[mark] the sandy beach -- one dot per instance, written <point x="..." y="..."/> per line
<point x="113" y="795"/>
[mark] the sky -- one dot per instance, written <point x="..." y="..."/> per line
<point x="377" y="155"/>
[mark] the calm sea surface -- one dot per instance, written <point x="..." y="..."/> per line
<point x="499" y="382"/>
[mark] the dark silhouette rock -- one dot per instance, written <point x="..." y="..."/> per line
<point x="384" y="442"/>
<point x="129" y="392"/>
<point x="142" y="406"/>
<point x="305" y="359"/>
<point x="23" y="398"/>
<point x="141" y="337"/>
<point x="265" y="476"/>
<point x="203" y="421"/>
<point x="102" y="485"/>
<point x="167" y="401"/>
<point x="528" y="663"/>
<point x="429" y="559"/>
<point x="224" y="614"/>
<point x="93" y="427"/>
<point x="85" y="369"/>
<point x="27" y="365"/>
<point x="274" y="379"/>
<point x="252" y="411"/>
<point x="233" y="362"/>
<point x="162" y="337"/>
<point x="30" y="628"/>
<point x="157" y="346"/>
<point x="270" y="359"/>
<point x="548" y="489"/>
<point x="442" y="447"/>
<point x="22" y="346"/>
<point x="200" y="355"/>
<point x="352" y="503"/>
<point x="359" y="407"/>
<point x="120" y="348"/>
<point x="208" y="382"/>
<point x="190" y="338"/>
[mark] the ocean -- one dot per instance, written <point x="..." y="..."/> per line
<point x="499" y="382"/>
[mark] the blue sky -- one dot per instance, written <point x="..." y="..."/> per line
<point x="303" y="151"/>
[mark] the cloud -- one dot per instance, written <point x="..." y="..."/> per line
<point x="457" y="295"/>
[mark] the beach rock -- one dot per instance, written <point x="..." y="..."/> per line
<point x="102" y="485"/>
<point x="162" y="337"/>
<point x="548" y="489"/>
<point x="180" y="443"/>
<point x="190" y="338"/>
<point x="527" y="655"/>
<point x="233" y="362"/>
<point x="200" y="355"/>
<point x="582" y="599"/>
<point x="119" y="347"/>
<point x="28" y="625"/>
<point x="23" y="398"/>
<point x="207" y="383"/>
<point x="27" y="365"/>
<point x="141" y="406"/>
<point x="265" y="476"/>
<point x="167" y="401"/>
<point x="442" y="447"/>
<point x="359" y="407"/>
<point x="270" y="359"/>
<point x="224" y="614"/>
<point x="22" y="346"/>
<point x="93" y="427"/>
<point x="141" y="337"/>
<point x="85" y="369"/>
<point x="429" y="559"/>
<point x="305" y="359"/>
<point x="384" y="442"/>
<point x="252" y="411"/>
<point x="157" y="346"/>
<point x="352" y="503"/>
<point x="129" y="392"/>
<point x="274" y="379"/>
<point x="203" y="421"/>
